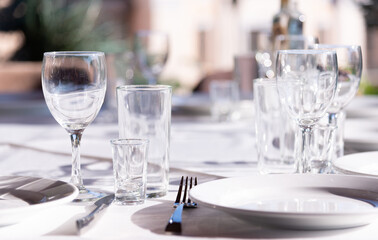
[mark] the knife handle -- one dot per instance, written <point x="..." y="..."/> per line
<point x="174" y="223"/>
<point x="84" y="221"/>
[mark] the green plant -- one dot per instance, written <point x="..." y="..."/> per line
<point x="63" y="25"/>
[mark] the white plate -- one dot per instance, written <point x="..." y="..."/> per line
<point x="21" y="197"/>
<point x="293" y="201"/>
<point x="359" y="163"/>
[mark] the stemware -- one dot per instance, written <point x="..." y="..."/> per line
<point x="74" y="85"/>
<point x="349" y="58"/>
<point x="306" y="84"/>
<point x="151" y="48"/>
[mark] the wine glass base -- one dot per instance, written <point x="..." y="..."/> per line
<point x="86" y="195"/>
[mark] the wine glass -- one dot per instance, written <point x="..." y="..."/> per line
<point x="74" y="85"/>
<point x="349" y="58"/>
<point x="306" y="84"/>
<point x="151" y="48"/>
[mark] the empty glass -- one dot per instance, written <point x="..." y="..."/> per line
<point x="129" y="168"/>
<point x="144" y="111"/>
<point x="74" y="85"/>
<point x="306" y="83"/>
<point x="322" y="147"/>
<point x="349" y="59"/>
<point x="224" y="95"/>
<point x="275" y="131"/>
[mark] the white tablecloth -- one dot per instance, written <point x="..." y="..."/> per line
<point x="204" y="149"/>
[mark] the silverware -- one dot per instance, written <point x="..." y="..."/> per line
<point x="100" y="204"/>
<point x="174" y="223"/>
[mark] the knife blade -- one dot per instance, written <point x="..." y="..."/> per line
<point x="100" y="204"/>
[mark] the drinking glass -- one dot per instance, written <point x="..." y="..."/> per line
<point x="130" y="170"/>
<point x="306" y="84"/>
<point x="349" y="59"/>
<point x="144" y="112"/>
<point x="74" y="85"/>
<point x="275" y="131"/>
<point x="224" y="95"/>
<point x="151" y="48"/>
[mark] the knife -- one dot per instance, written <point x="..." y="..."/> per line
<point x="100" y="204"/>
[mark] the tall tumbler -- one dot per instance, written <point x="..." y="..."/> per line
<point x="144" y="111"/>
<point x="275" y="131"/>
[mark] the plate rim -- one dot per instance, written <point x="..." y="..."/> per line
<point x="301" y="214"/>
<point x="351" y="172"/>
<point x="65" y="199"/>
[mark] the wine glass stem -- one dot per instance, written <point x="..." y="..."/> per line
<point x="305" y="163"/>
<point x="332" y="119"/>
<point x="76" y="171"/>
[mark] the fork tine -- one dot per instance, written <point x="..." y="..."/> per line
<point x="190" y="187"/>
<point x="179" y="190"/>
<point x="185" y="190"/>
<point x="195" y="181"/>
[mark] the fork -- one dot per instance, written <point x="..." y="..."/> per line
<point x="174" y="223"/>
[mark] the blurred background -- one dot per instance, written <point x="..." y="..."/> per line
<point x="204" y="35"/>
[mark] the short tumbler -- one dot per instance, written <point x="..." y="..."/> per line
<point x="129" y="168"/>
<point x="144" y="111"/>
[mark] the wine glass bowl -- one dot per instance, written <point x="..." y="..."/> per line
<point x="349" y="58"/>
<point x="151" y="48"/>
<point x="306" y="83"/>
<point x="74" y="85"/>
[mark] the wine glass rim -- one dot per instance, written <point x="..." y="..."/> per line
<point x="332" y="46"/>
<point x="306" y="51"/>
<point x="144" y="87"/>
<point x="73" y="53"/>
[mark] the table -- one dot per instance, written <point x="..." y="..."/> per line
<point x="199" y="148"/>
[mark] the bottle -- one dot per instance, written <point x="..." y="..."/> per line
<point x="288" y="21"/>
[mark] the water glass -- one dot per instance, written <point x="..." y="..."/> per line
<point x="144" y="111"/>
<point x="322" y="147"/>
<point x="327" y="143"/>
<point x="224" y="95"/>
<point x="129" y="168"/>
<point x="275" y="131"/>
